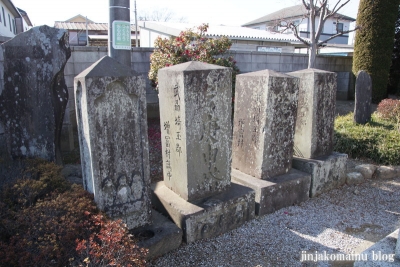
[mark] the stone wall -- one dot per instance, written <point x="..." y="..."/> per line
<point x="83" y="57"/>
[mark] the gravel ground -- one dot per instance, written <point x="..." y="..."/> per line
<point x="346" y="220"/>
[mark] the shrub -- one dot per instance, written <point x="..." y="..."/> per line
<point x="190" y="46"/>
<point x="377" y="140"/>
<point x="389" y="109"/>
<point x="44" y="221"/>
<point x="109" y="245"/>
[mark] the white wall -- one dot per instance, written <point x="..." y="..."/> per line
<point x="147" y="37"/>
<point x="5" y="27"/>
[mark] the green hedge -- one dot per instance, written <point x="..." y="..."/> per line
<point x="377" y="140"/>
<point x="374" y="42"/>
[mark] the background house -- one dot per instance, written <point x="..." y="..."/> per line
<point x="297" y="14"/>
<point x="243" y="39"/>
<point x="12" y="20"/>
<point x="82" y="30"/>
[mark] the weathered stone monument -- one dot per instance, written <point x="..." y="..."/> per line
<point x="35" y="95"/>
<point x="111" y="115"/>
<point x="362" y="103"/>
<point x="112" y="124"/>
<point x="263" y="132"/>
<point x="313" y="138"/>
<point x="195" y="111"/>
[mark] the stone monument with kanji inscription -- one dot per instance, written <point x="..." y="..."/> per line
<point x="313" y="139"/>
<point x="195" y="115"/>
<point x="263" y="135"/>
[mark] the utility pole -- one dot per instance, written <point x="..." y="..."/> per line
<point x="119" y="32"/>
<point x="136" y="40"/>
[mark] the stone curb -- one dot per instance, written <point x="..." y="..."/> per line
<point x="371" y="171"/>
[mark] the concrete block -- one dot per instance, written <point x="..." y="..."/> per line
<point x="259" y="58"/>
<point x="161" y="237"/>
<point x="327" y="172"/>
<point x="245" y="67"/>
<point x="243" y="57"/>
<point x="209" y="217"/>
<point x="277" y="193"/>
<point x="274" y="59"/>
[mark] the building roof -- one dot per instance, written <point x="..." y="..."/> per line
<point x="14" y="11"/>
<point x="25" y="16"/>
<point x="232" y="32"/>
<point x="289" y="12"/>
<point x="82" y="26"/>
<point x="79" y="18"/>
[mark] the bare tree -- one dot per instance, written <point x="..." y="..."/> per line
<point x="161" y="14"/>
<point x="316" y="10"/>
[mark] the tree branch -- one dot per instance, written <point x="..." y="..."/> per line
<point x="336" y="35"/>
<point x="296" y="34"/>
<point x="336" y="8"/>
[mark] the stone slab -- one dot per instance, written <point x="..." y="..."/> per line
<point x="35" y="94"/>
<point x="381" y="254"/>
<point x="327" y="172"/>
<point x="209" y="217"/>
<point x="281" y="191"/>
<point x="363" y="98"/>
<point x="263" y="132"/>
<point x="161" y="237"/>
<point x="315" y="113"/>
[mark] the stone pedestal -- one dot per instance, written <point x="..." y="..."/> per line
<point x="208" y="217"/>
<point x="196" y="130"/>
<point x="112" y="126"/>
<point x="281" y="191"/>
<point x="160" y="237"/>
<point x="263" y="135"/>
<point x="327" y="172"/>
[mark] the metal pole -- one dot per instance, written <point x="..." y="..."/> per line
<point x="136" y="40"/>
<point x="87" y="33"/>
<point x="120" y="11"/>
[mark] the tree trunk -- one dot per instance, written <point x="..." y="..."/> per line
<point x="312" y="55"/>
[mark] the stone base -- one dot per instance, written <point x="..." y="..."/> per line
<point x="327" y="172"/>
<point x="160" y="237"/>
<point x="210" y="217"/>
<point x="381" y="253"/>
<point x="279" y="192"/>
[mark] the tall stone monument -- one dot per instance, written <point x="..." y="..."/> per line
<point x="362" y="104"/>
<point x="35" y="95"/>
<point x="195" y="113"/>
<point x="263" y="135"/>
<point x="313" y="138"/>
<point x="112" y="124"/>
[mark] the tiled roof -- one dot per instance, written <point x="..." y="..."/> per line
<point x="289" y="12"/>
<point x="232" y="32"/>
<point x="82" y="26"/>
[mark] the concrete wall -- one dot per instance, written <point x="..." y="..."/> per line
<point x="83" y="57"/>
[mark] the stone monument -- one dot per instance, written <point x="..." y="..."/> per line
<point x="362" y="103"/>
<point x="263" y="135"/>
<point x="313" y="139"/>
<point x="112" y="124"/>
<point x="35" y="95"/>
<point x="195" y="115"/>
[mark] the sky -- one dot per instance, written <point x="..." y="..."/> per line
<point x="214" y="12"/>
